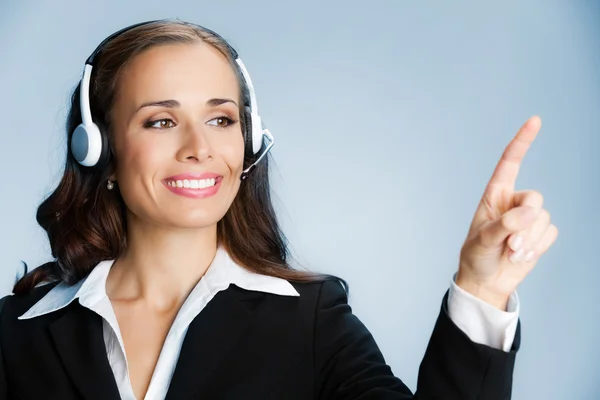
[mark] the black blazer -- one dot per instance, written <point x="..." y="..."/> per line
<point x="249" y="345"/>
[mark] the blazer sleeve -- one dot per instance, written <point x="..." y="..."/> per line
<point x="349" y="364"/>
<point x="3" y="383"/>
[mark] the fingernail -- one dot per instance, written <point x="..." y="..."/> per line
<point x="517" y="243"/>
<point x="517" y="256"/>
<point x="529" y="256"/>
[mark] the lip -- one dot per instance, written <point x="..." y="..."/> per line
<point x="192" y="175"/>
<point x="194" y="193"/>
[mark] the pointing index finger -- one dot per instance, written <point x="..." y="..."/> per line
<point x="507" y="170"/>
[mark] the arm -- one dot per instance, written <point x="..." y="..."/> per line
<point x="455" y="367"/>
<point x="349" y="364"/>
<point x="3" y="384"/>
<point x="482" y="322"/>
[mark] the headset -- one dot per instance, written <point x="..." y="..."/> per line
<point x="89" y="143"/>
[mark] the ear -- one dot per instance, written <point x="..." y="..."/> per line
<point x="112" y="177"/>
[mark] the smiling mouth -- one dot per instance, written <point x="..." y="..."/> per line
<point x="193" y="183"/>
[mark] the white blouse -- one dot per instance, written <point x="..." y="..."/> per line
<point x="481" y="322"/>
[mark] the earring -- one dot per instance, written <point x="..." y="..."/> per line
<point x="110" y="185"/>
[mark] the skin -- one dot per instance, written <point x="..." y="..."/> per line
<point x="490" y="268"/>
<point x="171" y="238"/>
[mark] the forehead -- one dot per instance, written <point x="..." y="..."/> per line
<point x="194" y="72"/>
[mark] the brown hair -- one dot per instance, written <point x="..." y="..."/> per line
<point x="86" y="223"/>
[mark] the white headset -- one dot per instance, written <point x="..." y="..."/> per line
<point x="89" y="144"/>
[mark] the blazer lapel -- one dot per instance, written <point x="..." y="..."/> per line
<point x="209" y="341"/>
<point x="80" y="344"/>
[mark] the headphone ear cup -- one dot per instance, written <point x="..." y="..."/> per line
<point x="89" y="145"/>
<point x="247" y="131"/>
<point x="104" y="151"/>
<point x="80" y="143"/>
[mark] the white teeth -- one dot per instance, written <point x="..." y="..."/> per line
<point x="192" y="183"/>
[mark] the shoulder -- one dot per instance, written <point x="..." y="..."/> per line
<point x="312" y="297"/>
<point x="328" y="283"/>
<point x="13" y="306"/>
<point x="319" y="305"/>
<point x="323" y="293"/>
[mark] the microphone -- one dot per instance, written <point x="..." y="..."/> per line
<point x="271" y="140"/>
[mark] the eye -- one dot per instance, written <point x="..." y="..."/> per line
<point x="222" y="122"/>
<point x="164" y="123"/>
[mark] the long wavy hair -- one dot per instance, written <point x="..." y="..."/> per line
<point x="86" y="224"/>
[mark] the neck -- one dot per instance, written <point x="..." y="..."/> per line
<point x="161" y="265"/>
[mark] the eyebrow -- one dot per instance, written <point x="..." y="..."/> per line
<point x="174" y="103"/>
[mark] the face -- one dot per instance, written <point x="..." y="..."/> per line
<point x="178" y="142"/>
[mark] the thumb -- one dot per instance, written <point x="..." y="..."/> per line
<point x="514" y="220"/>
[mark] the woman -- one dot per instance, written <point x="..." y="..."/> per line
<point x="170" y="277"/>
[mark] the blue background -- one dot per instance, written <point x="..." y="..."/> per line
<point x="389" y="118"/>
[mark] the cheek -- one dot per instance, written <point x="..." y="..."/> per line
<point x="137" y="163"/>
<point x="231" y="151"/>
<point x="139" y="159"/>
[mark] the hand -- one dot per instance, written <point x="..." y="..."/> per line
<point x="505" y="221"/>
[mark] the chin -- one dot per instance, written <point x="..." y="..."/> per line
<point x="195" y="219"/>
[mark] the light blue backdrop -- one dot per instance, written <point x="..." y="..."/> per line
<point x="389" y="119"/>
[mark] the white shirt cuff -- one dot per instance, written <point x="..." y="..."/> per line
<point x="482" y="322"/>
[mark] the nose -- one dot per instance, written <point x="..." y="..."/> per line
<point x="195" y="145"/>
